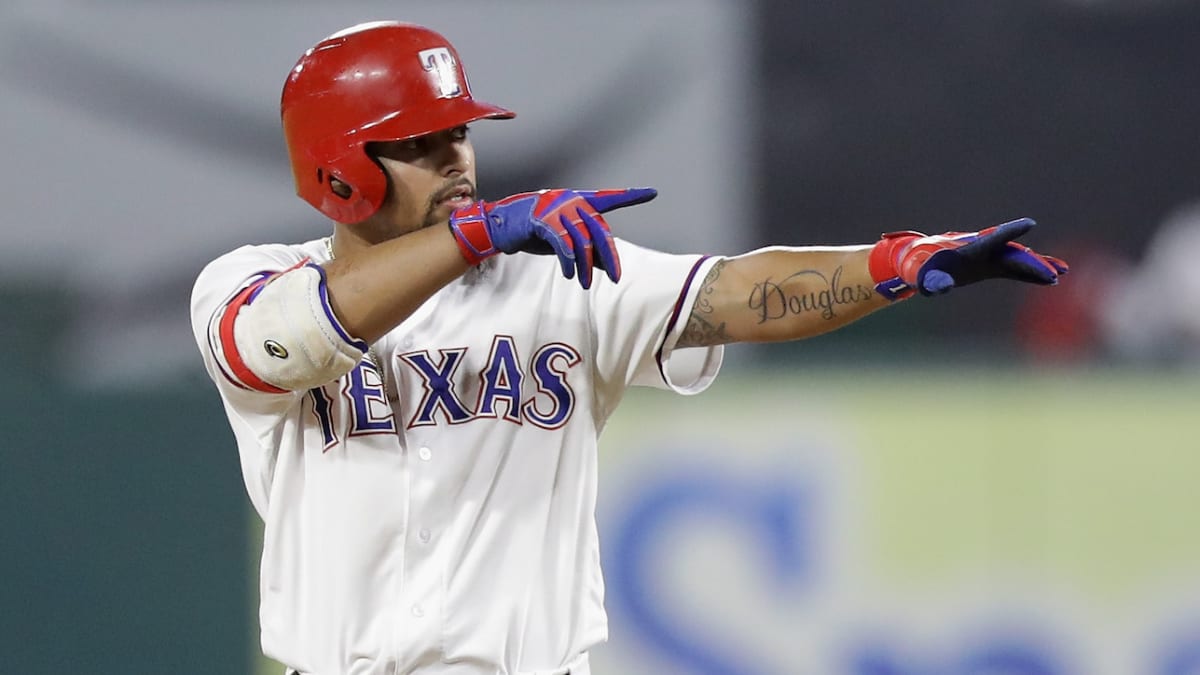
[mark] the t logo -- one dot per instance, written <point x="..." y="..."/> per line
<point x="440" y="62"/>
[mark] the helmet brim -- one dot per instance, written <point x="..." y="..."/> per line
<point x="444" y="114"/>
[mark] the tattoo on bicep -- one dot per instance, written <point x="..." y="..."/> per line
<point x="770" y="300"/>
<point x="700" y="332"/>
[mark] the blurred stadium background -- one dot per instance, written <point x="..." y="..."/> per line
<point x="998" y="482"/>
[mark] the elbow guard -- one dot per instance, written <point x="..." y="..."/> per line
<point x="280" y="334"/>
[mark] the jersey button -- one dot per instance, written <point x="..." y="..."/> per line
<point x="424" y="535"/>
<point x="424" y="453"/>
<point x="417" y="611"/>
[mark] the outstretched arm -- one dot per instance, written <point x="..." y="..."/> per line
<point x="778" y="293"/>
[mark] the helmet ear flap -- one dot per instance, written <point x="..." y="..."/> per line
<point x="349" y="189"/>
<point x="353" y="187"/>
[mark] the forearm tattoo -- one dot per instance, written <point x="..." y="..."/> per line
<point x="771" y="300"/>
<point x="700" y="331"/>
<point x="807" y="292"/>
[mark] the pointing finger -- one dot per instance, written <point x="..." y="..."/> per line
<point x="608" y="200"/>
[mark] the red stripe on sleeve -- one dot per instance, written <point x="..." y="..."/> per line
<point x="229" y="345"/>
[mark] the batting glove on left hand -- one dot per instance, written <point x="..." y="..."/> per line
<point x="903" y="263"/>
<point x="566" y="223"/>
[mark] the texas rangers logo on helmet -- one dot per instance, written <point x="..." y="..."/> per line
<point x="440" y="62"/>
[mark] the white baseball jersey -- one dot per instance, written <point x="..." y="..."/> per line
<point x="433" y="513"/>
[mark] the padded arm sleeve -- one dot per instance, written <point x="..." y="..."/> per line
<point x="280" y="334"/>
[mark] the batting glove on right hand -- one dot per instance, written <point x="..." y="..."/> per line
<point x="903" y="263"/>
<point x="566" y="223"/>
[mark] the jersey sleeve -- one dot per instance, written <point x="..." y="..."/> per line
<point x="639" y="320"/>
<point x="255" y="414"/>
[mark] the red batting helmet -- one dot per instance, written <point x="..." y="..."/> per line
<point x="381" y="81"/>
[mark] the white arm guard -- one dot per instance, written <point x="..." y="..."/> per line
<point x="287" y="335"/>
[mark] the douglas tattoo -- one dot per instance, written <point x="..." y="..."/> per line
<point x="772" y="300"/>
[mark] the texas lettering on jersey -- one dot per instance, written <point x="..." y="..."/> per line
<point x="440" y="379"/>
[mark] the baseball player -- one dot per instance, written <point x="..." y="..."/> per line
<point x="417" y="398"/>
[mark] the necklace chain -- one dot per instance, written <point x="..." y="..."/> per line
<point x="371" y="355"/>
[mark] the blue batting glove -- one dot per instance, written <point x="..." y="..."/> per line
<point x="565" y="223"/>
<point x="903" y="263"/>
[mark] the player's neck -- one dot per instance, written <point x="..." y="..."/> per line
<point x="348" y="239"/>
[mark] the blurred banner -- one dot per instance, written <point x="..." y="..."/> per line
<point x="904" y="523"/>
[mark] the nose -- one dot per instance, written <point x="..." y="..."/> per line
<point x="453" y="155"/>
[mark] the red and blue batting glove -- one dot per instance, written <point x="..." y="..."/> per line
<point x="566" y="223"/>
<point x="903" y="263"/>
